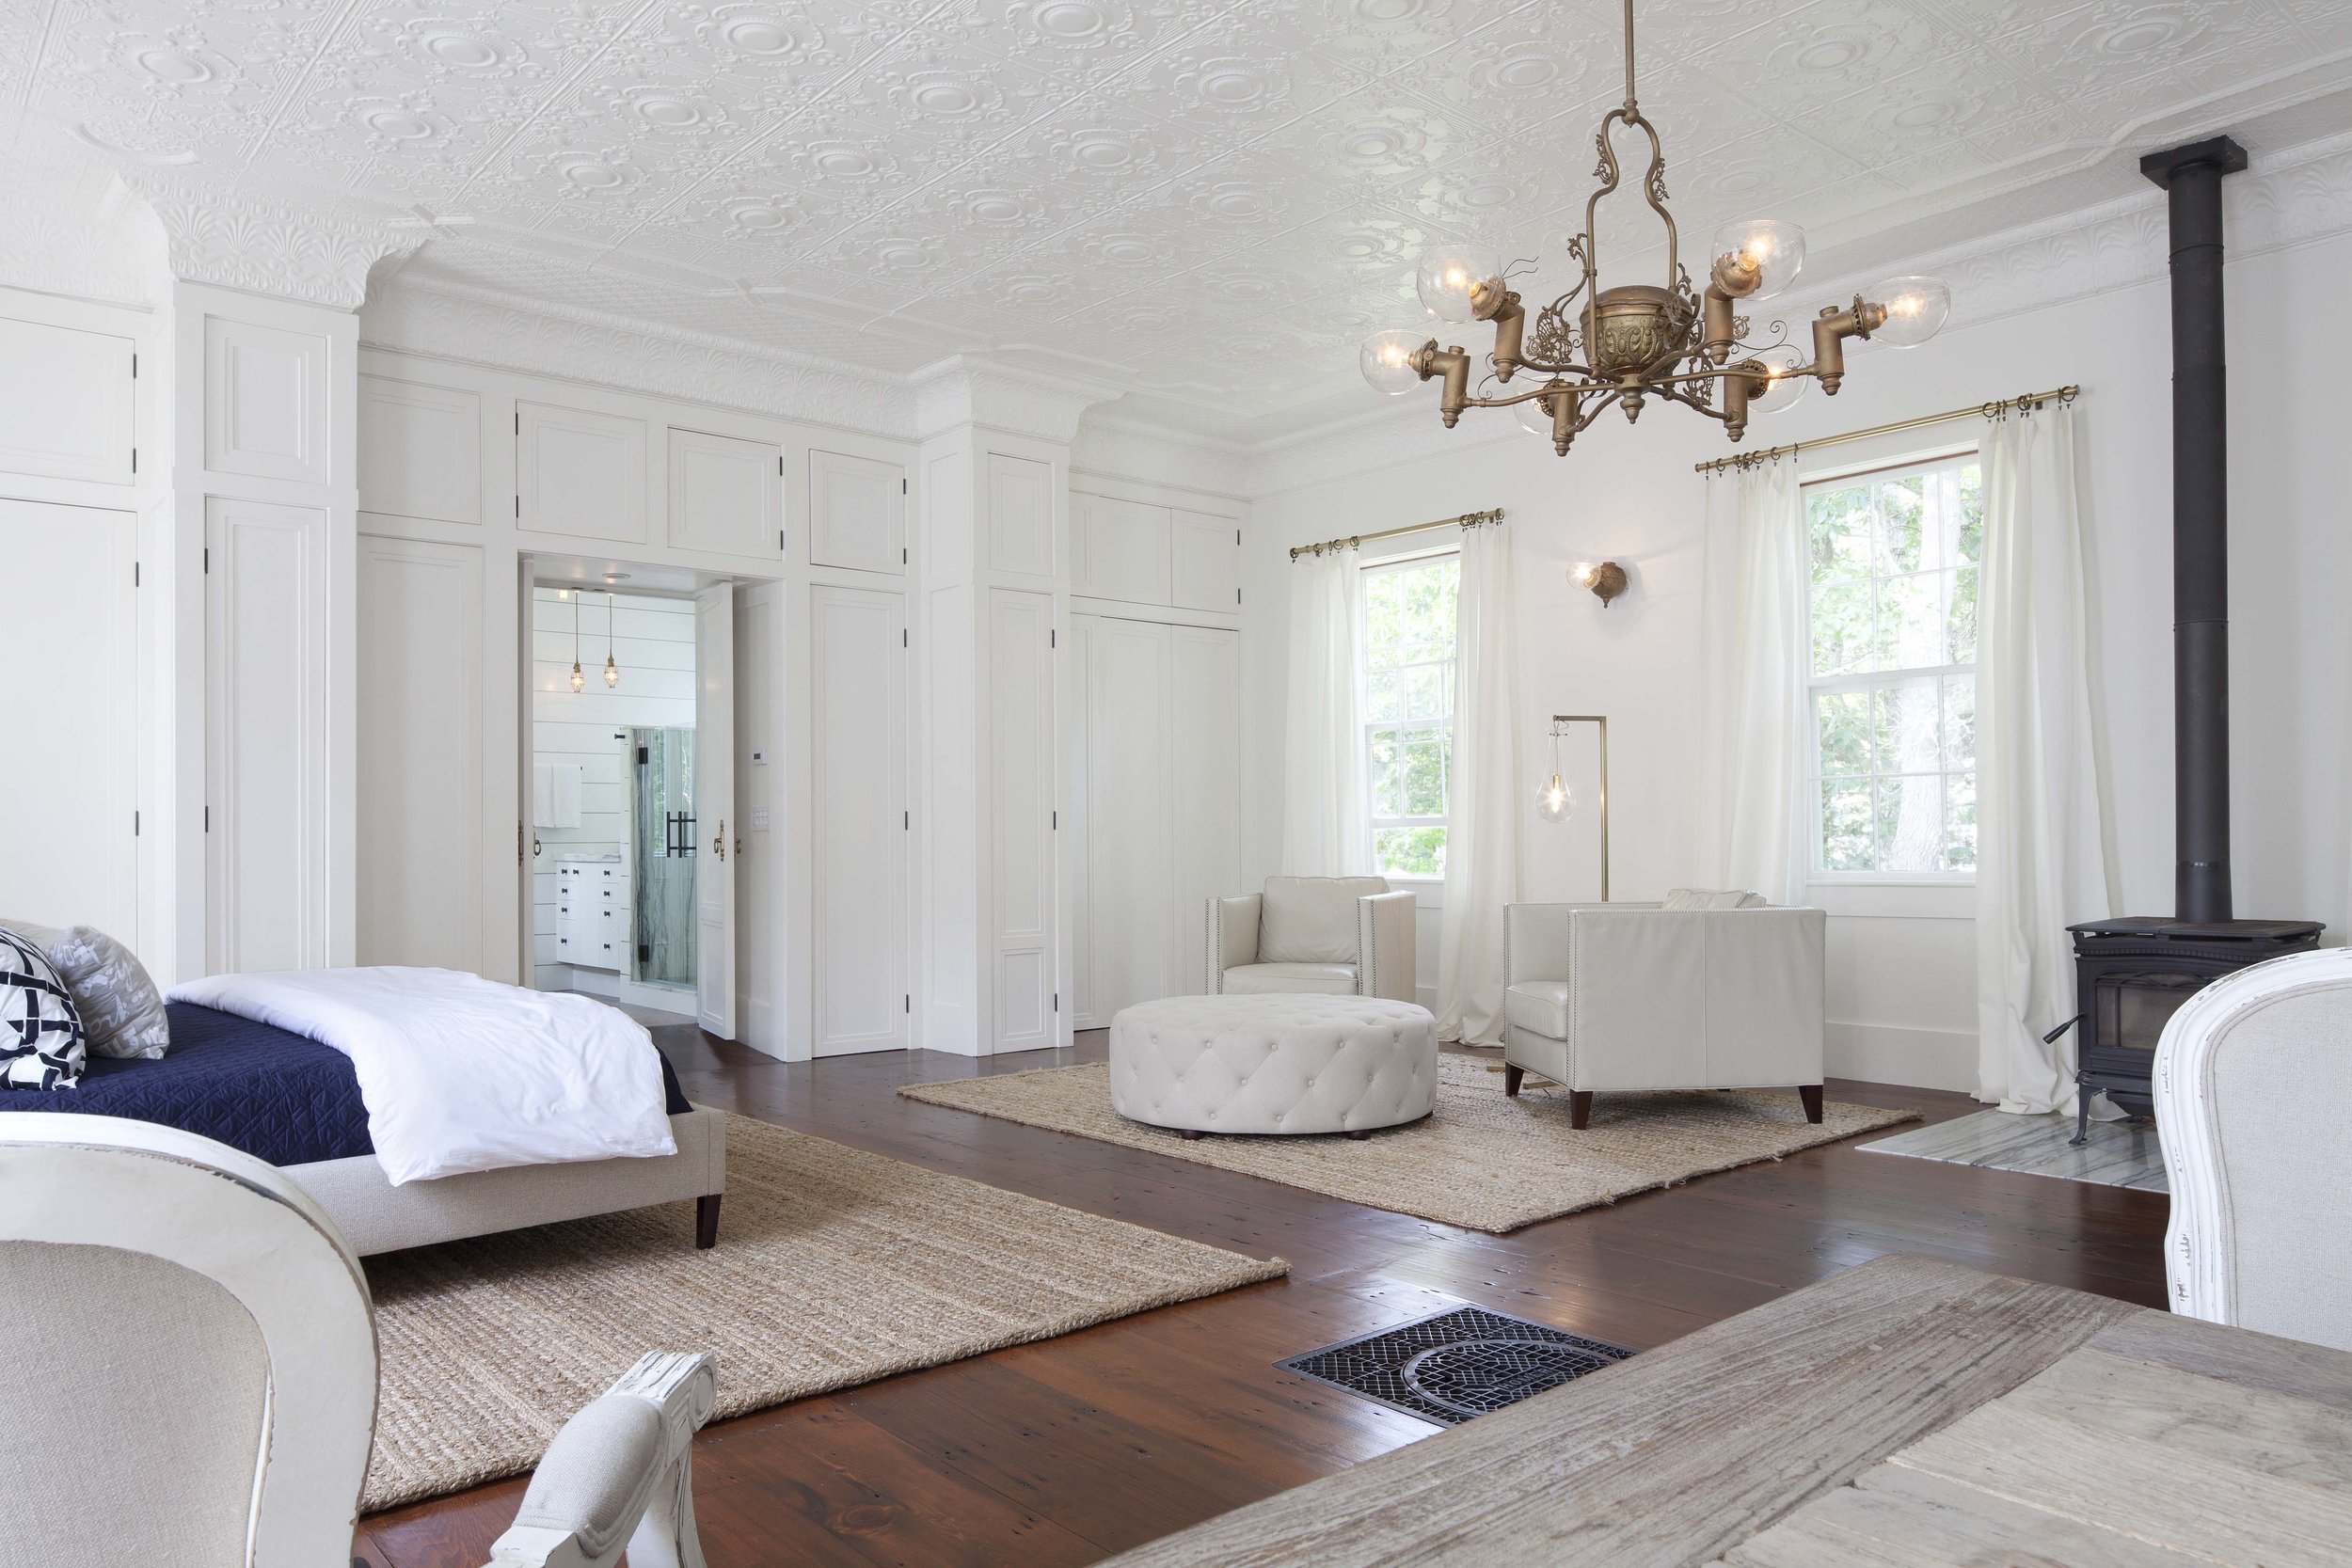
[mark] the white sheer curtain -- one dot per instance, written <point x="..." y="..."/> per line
<point x="1754" y="647"/>
<point x="1482" y="845"/>
<point x="2043" y="859"/>
<point x="1325" y="832"/>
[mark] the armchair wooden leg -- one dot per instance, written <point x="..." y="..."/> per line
<point x="1511" y="1078"/>
<point x="1580" y="1108"/>
<point x="706" y="1220"/>
<point x="1811" y="1095"/>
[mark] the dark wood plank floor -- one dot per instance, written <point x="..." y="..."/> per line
<point x="1068" y="1451"/>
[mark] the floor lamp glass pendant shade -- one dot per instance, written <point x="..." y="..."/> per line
<point x="1554" y="801"/>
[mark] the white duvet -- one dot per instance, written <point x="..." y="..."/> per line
<point x="460" y="1073"/>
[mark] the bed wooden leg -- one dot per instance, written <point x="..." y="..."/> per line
<point x="706" y="1220"/>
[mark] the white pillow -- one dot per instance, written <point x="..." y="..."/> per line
<point x="123" y="1013"/>
<point x="1707" y="898"/>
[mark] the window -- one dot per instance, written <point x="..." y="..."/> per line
<point x="1893" y="613"/>
<point x="1409" y="711"/>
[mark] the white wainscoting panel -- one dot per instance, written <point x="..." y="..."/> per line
<point x="265" y="735"/>
<point x="857" y="513"/>
<point x="1204" y="773"/>
<point x="726" y="494"/>
<point x="266" y="405"/>
<point x="69" y="643"/>
<point x="1119" y="550"/>
<point x="422" y="845"/>
<point x="65" y="402"/>
<point x="858" y="803"/>
<point x="579" y="472"/>
<point x="1207" y="571"/>
<point x="420" y="450"/>
<point x="1021" y="770"/>
<point x="1020" y="515"/>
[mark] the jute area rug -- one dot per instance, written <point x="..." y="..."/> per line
<point x="1481" y="1160"/>
<point x="834" y="1267"/>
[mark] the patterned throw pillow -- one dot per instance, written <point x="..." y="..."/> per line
<point x="41" y="1033"/>
<point x="121" y="1011"/>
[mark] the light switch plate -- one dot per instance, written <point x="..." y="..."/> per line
<point x="759" y="758"/>
<point x="759" y="820"/>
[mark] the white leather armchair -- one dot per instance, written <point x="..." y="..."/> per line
<point x="2253" y="1091"/>
<point x="200" y="1390"/>
<point x="1637" y="996"/>
<point x="1337" y="936"/>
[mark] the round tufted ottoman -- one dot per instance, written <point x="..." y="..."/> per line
<point x="1274" y="1063"/>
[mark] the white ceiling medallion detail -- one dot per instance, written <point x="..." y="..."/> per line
<point x="763" y="35"/>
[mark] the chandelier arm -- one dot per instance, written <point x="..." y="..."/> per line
<point x="1673" y="395"/>
<point x="1563" y="368"/>
<point x="1528" y="396"/>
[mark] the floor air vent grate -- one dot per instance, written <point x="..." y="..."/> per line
<point x="1457" y="1364"/>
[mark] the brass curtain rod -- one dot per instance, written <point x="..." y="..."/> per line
<point x="1468" y="519"/>
<point x="2022" y="404"/>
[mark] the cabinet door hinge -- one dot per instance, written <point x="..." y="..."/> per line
<point x="906" y="821"/>
<point x="1052" y="638"/>
<point x="134" y="574"/>
<point x="1058" y="822"/>
<point x="902" y="488"/>
<point x="518" y="421"/>
<point x="779" y="464"/>
<point x="208" y="561"/>
<point x="135" y="367"/>
<point x="779" y="538"/>
<point x="903" y="638"/>
<point x="1237" y="595"/>
<point x="910" y="1001"/>
<point x="518" y="503"/>
<point x="1058" y="1002"/>
<point x="135" y="824"/>
<point x="134" y="460"/>
<point x="208" y="819"/>
<point x="1237" y="536"/>
<point x="902" y="555"/>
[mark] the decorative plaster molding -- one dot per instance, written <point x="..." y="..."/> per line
<point x="481" y="327"/>
<point x="219" y="233"/>
<point x="1118" y="448"/>
<point x="960" y="389"/>
<point x="68" y="226"/>
<point x="2290" y="198"/>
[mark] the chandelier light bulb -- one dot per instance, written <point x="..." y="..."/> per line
<point x="1781" y="389"/>
<point x="1757" y="258"/>
<point x="1554" y="801"/>
<point x="1916" y="309"/>
<point x="1388" y="360"/>
<point x="611" y="672"/>
<point x="1454" y="280"/>
<point x="579" y="682"/>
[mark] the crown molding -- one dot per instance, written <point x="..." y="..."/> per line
<point x="962" y="389"/>
<point x="215" y="232"/>
<point x="1109" y="447"/>
<point x="481" y="326"/>
<point x="69" y="227"/>
<point x="2287" y="199"/>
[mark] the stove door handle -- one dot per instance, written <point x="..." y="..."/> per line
<point x="2052" y="1038"/>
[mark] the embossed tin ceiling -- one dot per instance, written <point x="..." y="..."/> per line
<point x="1216" y="199"/>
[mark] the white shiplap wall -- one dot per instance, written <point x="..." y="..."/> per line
<point x="653" y="642"/>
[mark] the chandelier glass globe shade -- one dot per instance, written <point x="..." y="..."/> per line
<point x="1916" y="309"/>
<point x="1387" y="360"/>
<point x="1534" y="415"/>
<point x="1778" y="392"/>
<point x="1449" y="279"/>
<point x="1765" y="249"/>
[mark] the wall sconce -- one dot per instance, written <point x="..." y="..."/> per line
<point x="1606" y="578"/>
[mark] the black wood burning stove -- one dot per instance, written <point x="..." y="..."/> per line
<point x="2132" y="974"/>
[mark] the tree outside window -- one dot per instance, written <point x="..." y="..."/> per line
<point x="1408" y="711"/>
<point x="1895" y="559"/>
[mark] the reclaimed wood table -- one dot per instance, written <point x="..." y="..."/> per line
<point x="1906" y="1414"/>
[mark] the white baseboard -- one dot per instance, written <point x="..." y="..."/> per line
<point x="1892" y="1053"/>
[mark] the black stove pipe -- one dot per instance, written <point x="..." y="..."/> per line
<point x="2200" y="517"/>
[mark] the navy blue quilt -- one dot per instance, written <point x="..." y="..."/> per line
<point x="253" y="1086"/>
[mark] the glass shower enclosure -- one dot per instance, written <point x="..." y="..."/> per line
<point x="663" y="826"/>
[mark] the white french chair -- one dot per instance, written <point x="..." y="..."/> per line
<point x="1335" y="936"/>
<point x="194" y="1375"/>
<point x="1602" y="997"/>
<point x="2253" y="1091"/>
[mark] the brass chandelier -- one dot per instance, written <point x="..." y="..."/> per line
<point x="1627" y="344"/>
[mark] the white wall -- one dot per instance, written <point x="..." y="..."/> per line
<point x="653" y="642"/>
<point x="1902" y="963"/>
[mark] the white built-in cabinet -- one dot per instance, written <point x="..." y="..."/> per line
<point x="266" y="727"/>
<point x="859" y="807"/>
<point x="579" y="472"/>
<point x="420" y="450"/>
<point x="1156" y="804"/>
<point x="857" y="513"/>
<point x="1138" y="552"/>
<point x="426" y="852"/>
<point x="1021" y="753"/>
<point x="66" y="402"/>
<point x="725" y="495"/>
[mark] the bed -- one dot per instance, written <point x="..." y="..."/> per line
<point x="296" y="1104"/>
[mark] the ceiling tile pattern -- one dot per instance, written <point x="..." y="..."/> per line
<point x="1210" y="198"/>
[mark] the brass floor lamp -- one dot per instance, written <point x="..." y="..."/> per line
<point x="1554" y="802"/>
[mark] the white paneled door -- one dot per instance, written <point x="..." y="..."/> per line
<point x="65" y="402"/>
<point x="265" y="659"/>
<point x="859" y="776"/>
<point x="1021" y="771"/>
<point x="725" y="495"/>
<point x="1158" y="806"/>
<point x="429" y="871"/>
<point x="714" y="810"/>
<point x="69" y="643"/>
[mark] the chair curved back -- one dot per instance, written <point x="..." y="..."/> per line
<point x="194" y="1352"/>
<point x="2253" y="1092"/>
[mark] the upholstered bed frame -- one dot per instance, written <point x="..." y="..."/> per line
<point x="375" y="1216"/>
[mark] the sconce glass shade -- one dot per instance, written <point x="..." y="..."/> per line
<point x="1757" y="258"/>
<point x="1554" y="801"/>
<point x="1387" y="360"/>
<point x="1916" y="309"/>
<point x="1778" y="392"/>
<point x="1449" y="279"/>
<point x="1534" y="415"/>
<point x="579" y="682"/>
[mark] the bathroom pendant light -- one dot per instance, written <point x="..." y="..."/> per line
<point x="612" y="671"/>
<point x="1552" y="802"/>
<point x="579" y="682"/>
